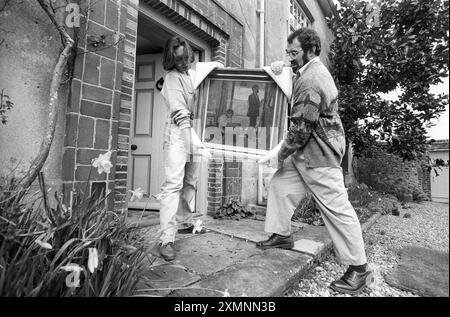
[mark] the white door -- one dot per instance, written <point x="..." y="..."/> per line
<point x="439" y="183"/>
<point x="147" y="128"/>
<point x="146" y="137"/>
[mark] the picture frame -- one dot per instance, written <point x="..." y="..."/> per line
<point x="245" y="134"/>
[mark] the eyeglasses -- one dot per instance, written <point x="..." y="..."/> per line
<point x="292" y="54"/>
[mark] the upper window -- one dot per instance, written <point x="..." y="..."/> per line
<point x="297" y="16"/>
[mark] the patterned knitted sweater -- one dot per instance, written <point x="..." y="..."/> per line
<point x="316" y="128"/>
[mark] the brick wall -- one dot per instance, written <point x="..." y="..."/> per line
<point x="129" y="14"/>
<point x="232" y="181"/>
<point x="215" y="185"/>
<point x="98" y="116"/>
<point x="224" y="183"/>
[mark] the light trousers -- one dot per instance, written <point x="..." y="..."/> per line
<point x="289" y="186"/>
<point x="178" y="190"/>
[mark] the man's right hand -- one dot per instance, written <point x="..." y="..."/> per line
<point x="277" y="67"/>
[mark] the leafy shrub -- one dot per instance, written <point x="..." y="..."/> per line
<point x="380" y="177"/>
<point x="233" y="210"/>
<point x="384" y="205"/>
<point x="307" y="212"/>
<point x="364" y="200"/>
<point x="360" y="195"/>
<point x="39" y="244"/>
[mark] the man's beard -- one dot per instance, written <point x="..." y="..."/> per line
<point x="294" y="64"/>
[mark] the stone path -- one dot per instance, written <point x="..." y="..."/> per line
<point x="226" y="261"/>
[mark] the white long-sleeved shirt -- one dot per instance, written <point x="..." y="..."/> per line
<point x="178" y="93"/>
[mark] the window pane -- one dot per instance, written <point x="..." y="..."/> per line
<point x="244" y="114"/>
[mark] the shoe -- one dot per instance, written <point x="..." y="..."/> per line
<point x="167" y="251"/>
<point x="190" y="229"/>
<point x="276" y="241"/>
<point x="353" y="282"/>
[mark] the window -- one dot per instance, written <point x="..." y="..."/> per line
<point x="240" y="113"/>
<point x="298" y="16"/>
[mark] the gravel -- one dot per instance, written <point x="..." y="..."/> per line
<point x="425" y="224"/>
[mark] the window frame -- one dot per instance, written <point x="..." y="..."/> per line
<point x="304" y="11"/>
<point x="257" y="76"/>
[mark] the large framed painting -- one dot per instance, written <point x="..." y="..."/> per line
<point x="241" y="113"/>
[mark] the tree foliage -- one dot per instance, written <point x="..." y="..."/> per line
<point x="388" y="45"/>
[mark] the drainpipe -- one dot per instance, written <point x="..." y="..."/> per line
<point x="260" y="11"/>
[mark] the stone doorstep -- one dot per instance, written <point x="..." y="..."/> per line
<point x="268" y="273"/>
<point x="256" y="209"/>
<point x="312" y="240"/>
<point x="148" y="218"/>
<point x="308" y="246"/>
<point x="246" y="229"/>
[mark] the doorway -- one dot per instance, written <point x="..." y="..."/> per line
<point x="146" y="165"/>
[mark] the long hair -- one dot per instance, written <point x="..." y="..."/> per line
<point x="308" y="38"/>
<point x="169" y="60"/>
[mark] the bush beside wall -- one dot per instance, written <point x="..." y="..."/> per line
<point x="407" y="180"/>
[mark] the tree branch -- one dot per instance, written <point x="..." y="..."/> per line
<point x="60" y="27"/>
<point x="58" y="71"/>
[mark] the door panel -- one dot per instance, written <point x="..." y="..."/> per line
<point x="147" y="165"/>
<point x="142" y="173"/>
<point x="144" y="112"/>
<point x="439" y="185"/>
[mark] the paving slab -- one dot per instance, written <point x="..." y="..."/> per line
<point x="143" y="219"/>
<point x="268" y="273"/>
<point x="422" y="271"/>
<point x="312" y="240"/>
<point x="211" y="252"/>
<point x="247" y="229"/>
<point x="308" y="246"/>
<point x="162" y="279"/>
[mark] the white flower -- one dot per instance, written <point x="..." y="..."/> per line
<point x="197" y="226"/>
<point x="103" y="163"/>
<point x="44" y="245"/>
<point x="67" y="210"/>
<point x="93" y="259"/>
<point x="226" y="294"/>
<point x="137" y="193"/>
<point x="71" y="267"/>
